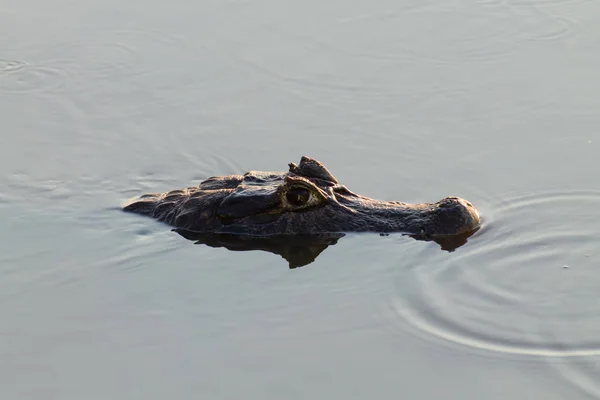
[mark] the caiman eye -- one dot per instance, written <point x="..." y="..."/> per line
<point x="297" y="196"/>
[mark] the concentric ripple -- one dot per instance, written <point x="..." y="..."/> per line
<point x="542" y="3"/>
<point x="527" y="285"/>
<point x="25" y="78"/>
<point x="547" y="27"/>
<point x="431" y="35"/>
<point x="7" y="66"/>
<point x="127" y="53"/>
<point x="532" y="3"/>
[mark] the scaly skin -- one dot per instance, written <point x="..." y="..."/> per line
<point x="305" y="200"/>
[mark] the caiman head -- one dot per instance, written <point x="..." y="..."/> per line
<point x="305" y="200"/>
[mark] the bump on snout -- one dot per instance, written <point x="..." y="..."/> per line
<point x="457" y="215"/>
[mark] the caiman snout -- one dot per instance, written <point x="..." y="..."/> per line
<point x="457" y="214"/>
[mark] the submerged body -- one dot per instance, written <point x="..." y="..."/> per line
<point x="305" y="200"/>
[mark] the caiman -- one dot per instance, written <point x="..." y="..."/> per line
<point x="307" y="199"/>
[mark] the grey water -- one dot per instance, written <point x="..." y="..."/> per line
<point x="495" y="101"/>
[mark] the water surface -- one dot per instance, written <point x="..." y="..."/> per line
<point x="493" y="101"/>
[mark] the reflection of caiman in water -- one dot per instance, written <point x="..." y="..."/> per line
<point x="306" y="200"/>
<point x="299" y="250"/>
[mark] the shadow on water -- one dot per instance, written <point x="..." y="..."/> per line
<point x="301" y="250"/>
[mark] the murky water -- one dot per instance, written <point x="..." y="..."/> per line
<point x="493" y="101"/>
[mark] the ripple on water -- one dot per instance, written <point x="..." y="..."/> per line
<point x="550" y="28"/>
<point x="530" y="3"/>
<point x="431" y="34"/>
<point x="423" y="35"/>
<point x="8" y="66"/>
<point x="541" y="3"/>
<point x="19" y="77"/>
<point x="106" y="55"/>
<point x="582" y="374"/>
<point x="539" y="24"/>
<point x="527" y="287"/>
<point x="364" y="45"/>
<point x="113" y="54"/>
